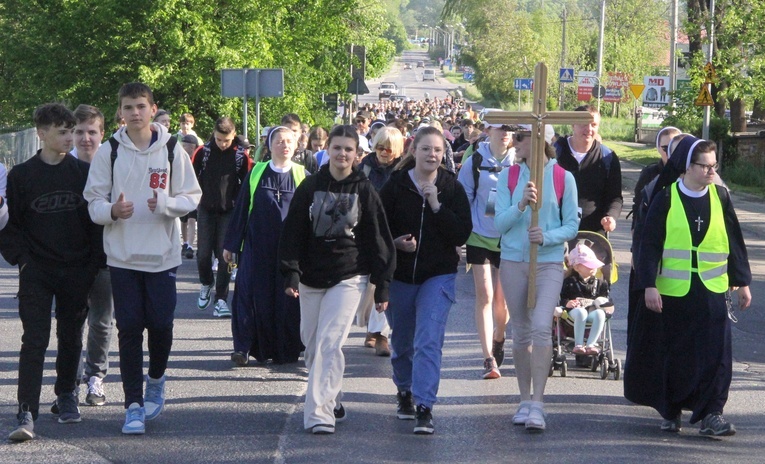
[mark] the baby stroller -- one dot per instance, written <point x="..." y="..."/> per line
<point x="563" y="325"/>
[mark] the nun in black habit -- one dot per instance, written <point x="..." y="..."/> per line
<point x="693" y="369"/>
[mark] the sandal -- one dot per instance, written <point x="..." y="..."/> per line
<point x="522" y="414"/>
<point x="579" y="349"/>
<point x="592" y="350"/>
<point x="536" y="420"/>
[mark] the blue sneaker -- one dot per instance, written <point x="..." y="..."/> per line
<point x="135" y="420"/>
<point x="154" y="399"/>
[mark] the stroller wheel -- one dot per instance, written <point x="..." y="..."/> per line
<point x="604" y="368"/>
<point x="618" y="369"/>
<point x="563" y="369"/>
<point x="552" y="369"/>
<point x="594" y="364"/>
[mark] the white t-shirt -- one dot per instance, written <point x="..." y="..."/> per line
<point x="578" y="156"/>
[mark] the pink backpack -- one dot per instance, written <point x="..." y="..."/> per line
<point x="559" y="180"/>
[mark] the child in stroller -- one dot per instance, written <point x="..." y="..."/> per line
<point x="586" y="306"/>
<point x="585" y="297"/>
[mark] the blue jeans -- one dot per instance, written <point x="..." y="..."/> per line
<point x="417" y="315"/>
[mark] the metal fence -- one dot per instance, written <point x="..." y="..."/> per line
<point x="17" y="147"/>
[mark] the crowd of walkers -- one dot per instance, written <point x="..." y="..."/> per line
<point x="361" y="222"/>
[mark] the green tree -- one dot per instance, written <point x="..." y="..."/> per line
<point x="81" y="51"/>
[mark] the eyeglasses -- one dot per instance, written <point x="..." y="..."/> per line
<point x="664" y="148"/>
<point x="708" y="167"/>
<point x="386" y="150"/>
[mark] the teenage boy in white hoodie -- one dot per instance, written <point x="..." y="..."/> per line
<point x="140" y="183"/>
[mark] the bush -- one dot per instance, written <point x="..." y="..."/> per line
<point x="746" y="175"/>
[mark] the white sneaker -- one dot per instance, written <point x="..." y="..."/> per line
<point x="215" y="265"/>
<point x="221" y="309"/>
<point x="204" y="297"/>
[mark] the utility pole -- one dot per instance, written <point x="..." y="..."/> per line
<point x="600" y="38"/>
<point x="710" y="55"/>
<point x="563" y="59"/>
<point x="673" y="55"/>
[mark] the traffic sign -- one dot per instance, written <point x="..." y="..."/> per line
<point x="637" y="90"/>
<point x="598" y="91"/>
<point x="566" y="75"/>
<point x="709" y="73"/>
<point x="524" y="84"/>
<point x="587" y="80"/>
<point x="704" y="98"/>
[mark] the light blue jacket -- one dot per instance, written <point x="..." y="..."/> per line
<point x="514" y="224"/>
<point x="487" y="180"/>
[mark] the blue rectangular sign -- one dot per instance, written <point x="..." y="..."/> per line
<point x="567" y="75"/>
<point x="524" y="84"/>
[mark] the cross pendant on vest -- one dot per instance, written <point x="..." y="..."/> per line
<point x="698" y="222"/>
<point x="278" y="195"/>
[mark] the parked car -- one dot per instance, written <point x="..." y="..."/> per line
<point x="387" y="89"/>
<point x="420" y="64"/>
<point x="407" y="65"/>
<point x="429" y="75"/>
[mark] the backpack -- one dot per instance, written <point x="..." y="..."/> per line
<point x="170" y="156"/>
<point x="559" y="180"/>
<point x="239" y="158"/>
<point x="477" y="160"/>
<point x="606" y="153"/>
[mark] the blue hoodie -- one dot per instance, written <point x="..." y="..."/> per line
<point x="487" y="180"/>
<point x="557" y="227"/>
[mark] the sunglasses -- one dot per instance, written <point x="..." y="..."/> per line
<point x="519" y="137"/>
<point x="386" y="150"/>
<point x="664" y="148"/>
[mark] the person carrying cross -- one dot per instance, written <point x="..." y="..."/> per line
<point x="558" y="222"/>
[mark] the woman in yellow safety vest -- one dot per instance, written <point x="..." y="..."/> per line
<point x="691" y="252"/>
<point x="265" y="322"/>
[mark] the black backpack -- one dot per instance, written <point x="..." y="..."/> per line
<point x="477" y="160"/>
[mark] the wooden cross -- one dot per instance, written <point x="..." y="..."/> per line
<point x="539" y="117"/>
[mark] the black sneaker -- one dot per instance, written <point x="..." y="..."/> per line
<point x="188" y="253"/>
<point x="26" y="427"/>
<point x="715" y="425"/>
<point x="339" y="411"/>
<point x="69" y="413"/>
<point x="405" y="405"/>
<point x="96" y="395"/>
<point x="240" y="359"/>
<point x="672" y="425"/>
<point x="498" y="351"/>
<point x="54" y="408"/>
<point x="424" y="425"/>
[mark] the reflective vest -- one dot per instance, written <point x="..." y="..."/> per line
<point x="674" y="277"/>
<point x="298" y="174"/>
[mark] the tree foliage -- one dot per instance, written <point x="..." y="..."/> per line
<point x="506" y="46"/>
<point x="82" y="51"/>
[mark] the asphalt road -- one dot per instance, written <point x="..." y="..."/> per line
<point x="217" y="413"/>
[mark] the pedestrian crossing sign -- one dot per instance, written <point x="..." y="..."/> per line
<point x="566" y="75"/>
<point x="704" y="98"/>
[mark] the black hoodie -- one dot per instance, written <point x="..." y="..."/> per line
<point x="336" y="230"/>
<point x="438" y="234"/>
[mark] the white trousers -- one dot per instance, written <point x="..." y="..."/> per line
<point x="326" y="315"/>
